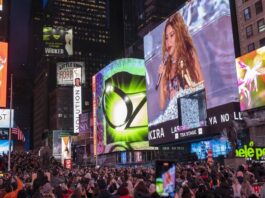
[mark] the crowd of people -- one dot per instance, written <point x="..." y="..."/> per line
<point x="195" y="179"/>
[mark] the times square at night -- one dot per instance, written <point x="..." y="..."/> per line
<point x="132" y="98"/>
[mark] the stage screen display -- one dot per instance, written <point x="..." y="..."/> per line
<point x="3" y="73"/>
<point x="58" y="41"/>
<point x="191" y="53"/>
<point x="119" y="107"/>
<point x="165" y="178"/>
<point x="65" y="72"/>
<point x="251" y="79"/>
<point x="218" y="147"/>
<point x="4" y="146"/>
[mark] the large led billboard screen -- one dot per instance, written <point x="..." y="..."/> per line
<point x="3" y="73"/>
<point x="58" y="41"/>
<point x="119" y="107"/>
<point x="1" y="5"/>
<point x="190" y="65"/>
<point x="65" y="72"/>
<point x="251" y="79"/>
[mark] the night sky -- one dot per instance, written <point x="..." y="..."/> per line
<point x="19" y="33"/>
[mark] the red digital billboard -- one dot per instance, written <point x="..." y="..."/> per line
<point x="3" y="73"/>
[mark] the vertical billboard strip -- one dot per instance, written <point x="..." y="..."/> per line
<point x="65" y="72"/>
<point x="3" y="73"/>
<point x="77" y="97"/>
<point x="189" y="57"/>
<point x="94" y="115"/>
<point x="251" y="79"/>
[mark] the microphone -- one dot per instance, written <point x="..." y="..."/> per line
<point x="160" y="75"/>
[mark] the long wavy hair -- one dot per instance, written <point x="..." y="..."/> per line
<point x="186" y="51"/>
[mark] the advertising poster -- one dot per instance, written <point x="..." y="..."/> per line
<point x="57" y="144"/>
<point x="3" y="73"/>
<point x="4" y="146"/>
<point x="5" y="118"/>
<point x="84" y="126"/>
<point x="251" y="79"/>
<point x="77" y="97"/>
<point x="66" y="148"/>
<point x="120" y="110"/>
<point x="65" y="72"/>
<point x="189" y="58"/>
<point x="58" y="41"/>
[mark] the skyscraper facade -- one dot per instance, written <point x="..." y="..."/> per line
<point x="92" y="45"/>
<point x="251" y="24"/>
<point x="141" y="17"/>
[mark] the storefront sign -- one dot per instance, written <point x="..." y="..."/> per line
<point x="251" y="152"/>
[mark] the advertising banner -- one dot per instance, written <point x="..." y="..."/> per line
<point x="58" y="41"/>
<point x="3" y="73"/>
<point x="66" y="148"/>
<point x="57" y="144"/>
<point x="185" y="64"/>
<point x="119" y="107"/>
<point x="84" y="126"/>
<point x="65" y="72"/>
<point x="251" y="79"/>
<point x="77" y="97"/>
<point x="5" y="118"/>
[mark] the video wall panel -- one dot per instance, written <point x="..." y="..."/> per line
<point x="190" y="68"/>
<point x="251" y="79"/>
<point x="119" y="107"/>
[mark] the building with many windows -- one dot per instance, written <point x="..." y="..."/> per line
<point x="92" y="30"/>
<point x="251" y="24"/>
<point x="141" y="17"/>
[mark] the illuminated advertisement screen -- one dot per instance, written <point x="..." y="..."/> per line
<point x="65" y="72"/>
<point x="77" y="97"/>
<point x="123" y="157"/>
<point x="84" y="125"/>
<point x="4" y="146"/>
<point x="66" y="148"/>
<point x="5" y="118"/>
<point x="57" y="144"/>
<point x="165" y="178"/>
<point x="188" y="58"/>
<point x="58" y="41"/>
<point x="3" y="73"/>
<point x="251" y="79"/>
<point x="1" y="5"/>
<point x="218" y="147"/>
<point x="120" y="110"/>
